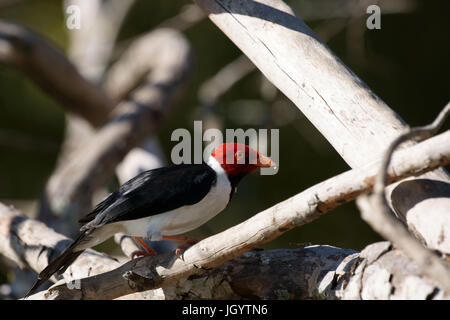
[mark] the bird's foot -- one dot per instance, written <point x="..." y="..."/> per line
<point x="188" y="241"/>
<point x="179" y="251"/>
<point x="148" y="251"/>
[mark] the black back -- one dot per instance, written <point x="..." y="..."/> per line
<point x="155" y="191"/>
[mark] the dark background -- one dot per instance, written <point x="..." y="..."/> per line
<point x="406" y="63"/>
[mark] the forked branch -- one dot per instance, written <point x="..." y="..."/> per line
<point x="375" y="210"/>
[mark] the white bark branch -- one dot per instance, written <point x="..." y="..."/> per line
<point x="92" y="45"/>
<point x="375" y="210"/>
<point x="315" y="272"/>
<point x="340" y="105"/>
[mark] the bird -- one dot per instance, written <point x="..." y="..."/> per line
<point x="162" y="203"/>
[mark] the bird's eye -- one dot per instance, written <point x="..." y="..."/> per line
<point x="240" y="157"/>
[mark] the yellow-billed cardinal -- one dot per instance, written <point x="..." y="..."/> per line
<point x="161" y="203"/>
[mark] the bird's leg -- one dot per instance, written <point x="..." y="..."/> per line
<point x="147" y="250"/>
<point x="188" y="241"/>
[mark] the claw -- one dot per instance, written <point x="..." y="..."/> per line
<point x="187" y="243"/>
<point x="146" y="252"/>
<point x="179" y="253"/>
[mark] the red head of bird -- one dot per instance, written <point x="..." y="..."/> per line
<point x="238" y="159"/>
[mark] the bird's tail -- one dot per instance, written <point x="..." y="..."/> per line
<point x="60" y="264"/>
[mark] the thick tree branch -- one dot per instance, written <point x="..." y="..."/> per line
<point x="315" y="272"/>
<point x="154" y="272"/>
<point x="379" y="216"/>
<point x="339" y="104"/>
<point x="296" y="61"/>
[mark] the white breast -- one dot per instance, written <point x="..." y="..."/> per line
<point x="185" y="218"/>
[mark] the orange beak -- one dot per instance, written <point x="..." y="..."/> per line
<point x="264" y="161"/>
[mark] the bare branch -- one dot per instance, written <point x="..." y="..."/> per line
<point x="296" y="61"/>
<point x="188" y="16"/>
<point x="52" y="72"/>
<point x="379" y="216"/>
<point x="149" y="58"/>
<point x="92" y="45"/>
<point x="153" y="272"/>
<point x="320" y="271"/>
<point x="314" y="272"/>
<point x="339" y="104"/>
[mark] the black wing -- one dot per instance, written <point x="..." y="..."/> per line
<point x="155" y="191"/>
